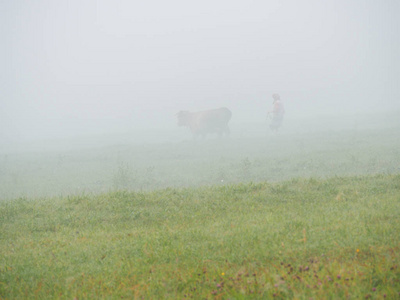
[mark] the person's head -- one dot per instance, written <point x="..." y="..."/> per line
<point x="276" y="97"/>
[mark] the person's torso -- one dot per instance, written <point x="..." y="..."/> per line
<point x="278" y="107"/>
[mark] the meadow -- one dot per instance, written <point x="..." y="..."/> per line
<point x="301" y="239"/>
<point x="300" y="214"/>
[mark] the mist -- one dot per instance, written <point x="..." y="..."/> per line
<point x="94" y="67"/>
<point x="91" y="92"/>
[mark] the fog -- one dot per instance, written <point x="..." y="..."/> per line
<point x="75" y="68"/>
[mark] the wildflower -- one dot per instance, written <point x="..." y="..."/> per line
<point x="338" y="277"/>
<point x="373" y="289"/>
<point x="222" y="274"/>
<point x="358" y="250"/>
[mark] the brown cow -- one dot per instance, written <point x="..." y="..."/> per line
<point x="207" y="121"/>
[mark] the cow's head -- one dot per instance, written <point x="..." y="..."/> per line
<point x="183" y="118"/>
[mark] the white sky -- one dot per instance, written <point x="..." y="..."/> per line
<point x="86" y="66"/>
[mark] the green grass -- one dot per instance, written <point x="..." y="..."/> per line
<point x="301" y="238"/>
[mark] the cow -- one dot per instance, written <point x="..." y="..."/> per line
<point x="207" y="121"/>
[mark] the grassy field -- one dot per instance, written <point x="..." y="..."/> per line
<point x="302" y="238"/>
<point x="311" y="212"/>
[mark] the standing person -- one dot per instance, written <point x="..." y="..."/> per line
<point x="277" y="112"/>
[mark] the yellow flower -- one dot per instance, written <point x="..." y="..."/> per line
<point x="358" y="250"/>
<point x="222" y="273"/>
